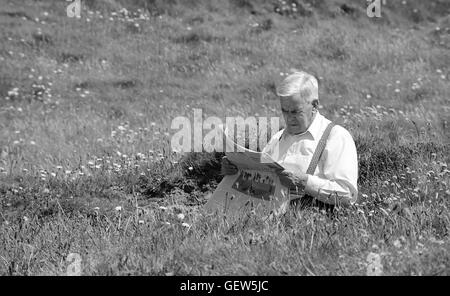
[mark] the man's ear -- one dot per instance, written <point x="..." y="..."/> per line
<point x="315" y="103"/>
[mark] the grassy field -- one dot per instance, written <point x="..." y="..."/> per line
<point x="85" y="123"/>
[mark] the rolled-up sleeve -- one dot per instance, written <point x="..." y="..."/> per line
<point x="337" y="184"/>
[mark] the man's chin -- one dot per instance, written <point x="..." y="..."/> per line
<point x="295" y="130"/>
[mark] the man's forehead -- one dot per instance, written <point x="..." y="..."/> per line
<point x="297" y="99"/>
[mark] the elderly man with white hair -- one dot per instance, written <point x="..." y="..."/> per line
<point x="319" y="157"/>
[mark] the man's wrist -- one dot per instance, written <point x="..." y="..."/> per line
<point x="303" y="180"/>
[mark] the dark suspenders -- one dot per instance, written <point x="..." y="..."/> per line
<point x="319" y="150"/>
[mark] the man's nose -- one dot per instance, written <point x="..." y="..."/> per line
<point x="291" y="115"/>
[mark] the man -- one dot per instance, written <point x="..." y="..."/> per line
<point x="331" y="177"/>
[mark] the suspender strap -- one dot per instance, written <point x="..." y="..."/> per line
<point x="306" y="200"/>
<point x="319" y="150"/>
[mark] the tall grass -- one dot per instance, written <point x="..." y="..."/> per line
<point x="86" y="108"/>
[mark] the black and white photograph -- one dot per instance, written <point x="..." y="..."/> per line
<point x="116" y="118"/>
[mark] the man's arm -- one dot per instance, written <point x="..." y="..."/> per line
<point x="338" y="184"/>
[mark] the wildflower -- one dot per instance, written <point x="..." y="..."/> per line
<point x="163" y="208"/>
<point x="53" y="175"/>
<point x="397" y="90"/>
<point x="180" y="216"/>
<point x="68" y="172"/>
<point x="32" y="142"/>
<point x="118" y="209"/>
<point x="26" y="219"/>
<point x="397" y="244"/>
<point x="184" y="224"/>
<point x="141" y="221"/>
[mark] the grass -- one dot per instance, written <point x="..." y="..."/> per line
<point x="86" y="109"/>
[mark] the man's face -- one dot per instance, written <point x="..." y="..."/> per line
<point x="297" y="113"/>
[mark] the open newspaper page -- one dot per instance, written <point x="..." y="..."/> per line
<point x="245" y="158"/>
<point x="256" y="185"/>
<point x="256" y="170"/>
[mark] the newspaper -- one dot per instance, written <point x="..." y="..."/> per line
<point x="245" y="158"/>
<point x="255" y="186"/>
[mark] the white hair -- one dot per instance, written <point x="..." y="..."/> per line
<point x="301" y="83"/>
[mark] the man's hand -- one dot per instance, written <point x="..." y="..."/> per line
<point x="227" y="167"/>
<point x="293" y="180"/>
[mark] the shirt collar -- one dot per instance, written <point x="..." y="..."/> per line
<point x="313" y="129"/>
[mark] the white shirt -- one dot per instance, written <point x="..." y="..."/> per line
<point x="336" y="174"/>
